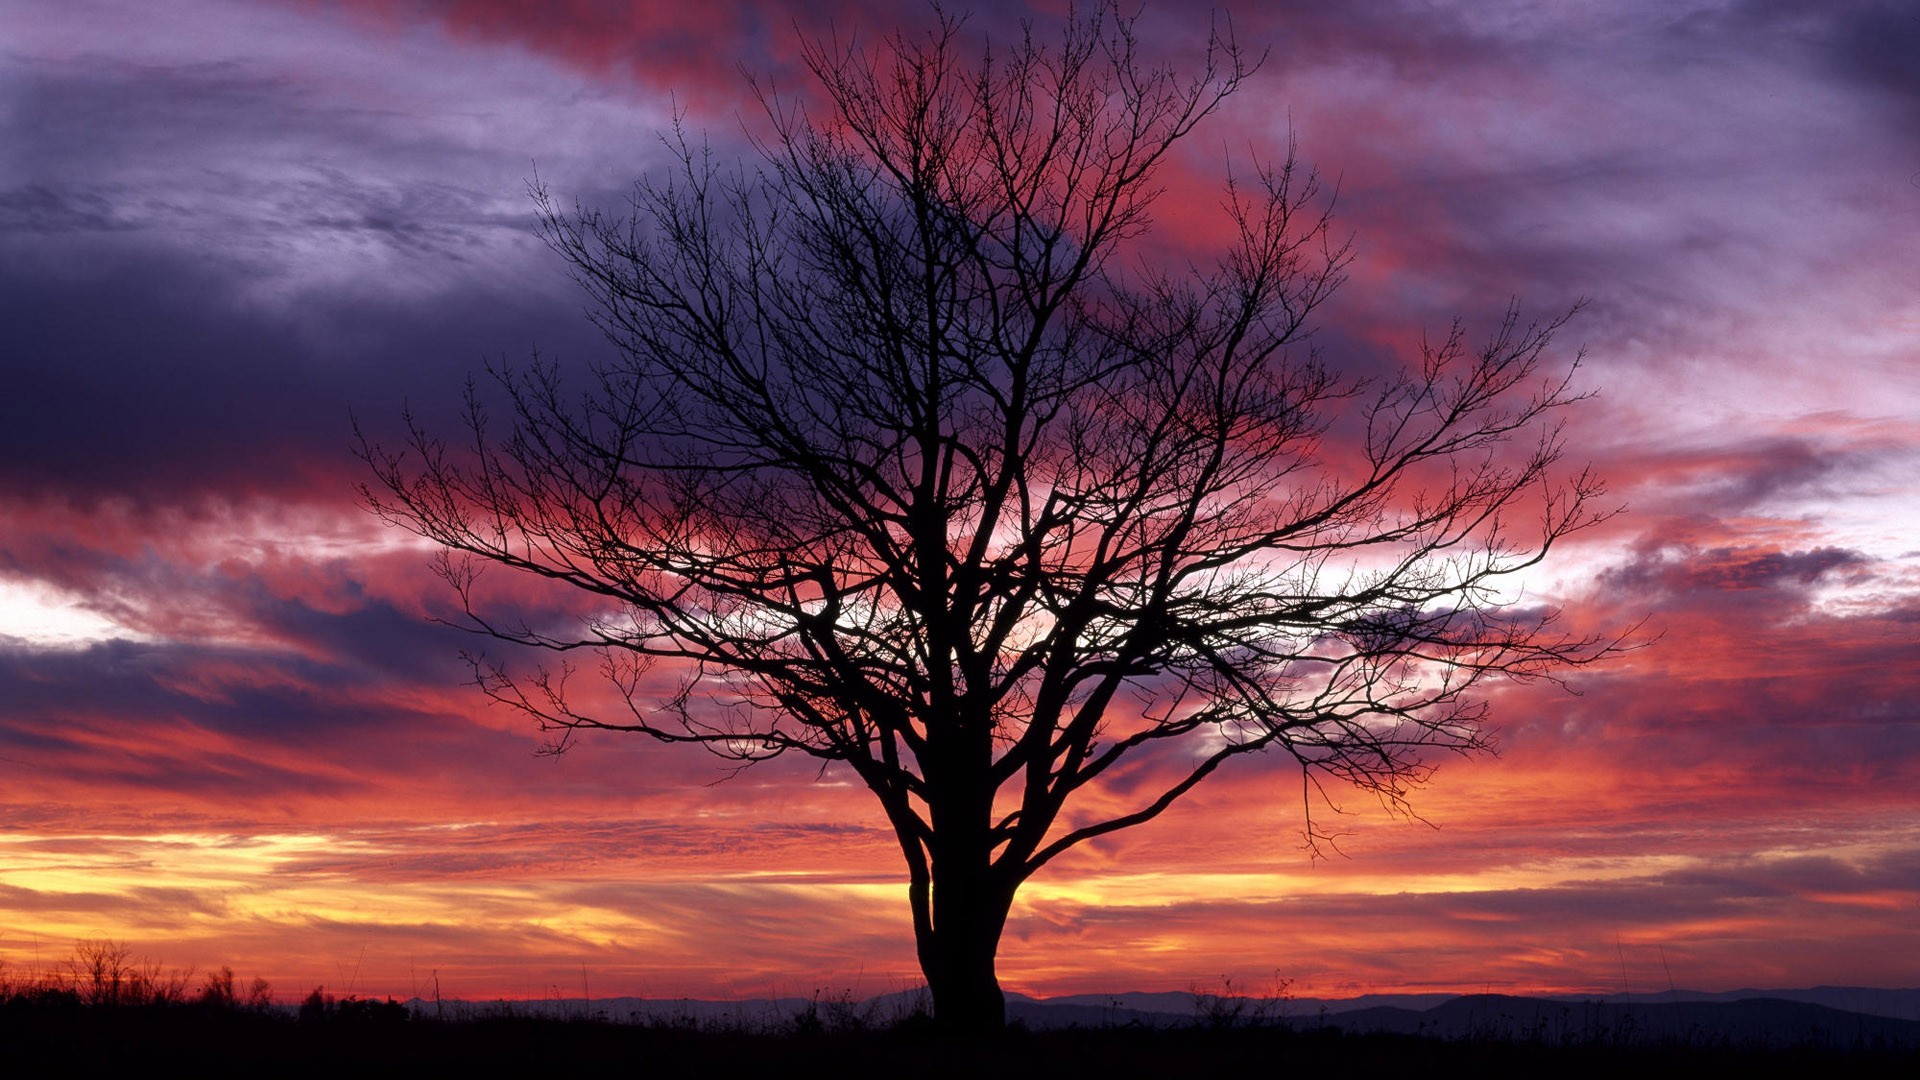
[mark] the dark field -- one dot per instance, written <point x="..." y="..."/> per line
<point x="56" y="1034"/>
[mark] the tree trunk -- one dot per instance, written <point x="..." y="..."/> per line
<point x="957" y="954"/>
<point x="969" y="899"/>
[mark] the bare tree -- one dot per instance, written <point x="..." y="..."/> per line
<point x="911" y="461"/>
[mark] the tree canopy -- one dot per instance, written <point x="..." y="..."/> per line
<point x="911" y="457"/>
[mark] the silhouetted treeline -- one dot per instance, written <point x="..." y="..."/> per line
<point x="102" y="1012"/>
<point x="53" y="1031"/>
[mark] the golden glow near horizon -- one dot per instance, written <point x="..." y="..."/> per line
<point x="180" y="895"/>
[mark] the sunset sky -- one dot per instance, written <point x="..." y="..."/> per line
<point x="230" y="732"/>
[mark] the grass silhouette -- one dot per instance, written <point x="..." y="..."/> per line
<point x="104" y="1011"/>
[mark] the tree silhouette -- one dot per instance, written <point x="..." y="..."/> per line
<point x="914" y="459"/>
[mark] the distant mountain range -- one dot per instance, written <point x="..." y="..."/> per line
<point x="1872" y="1001"/>
<point x="1829" y="1016"/>
<point x="1840" y="1016"/>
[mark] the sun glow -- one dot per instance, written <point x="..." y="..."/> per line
<point x="45" y="616"/>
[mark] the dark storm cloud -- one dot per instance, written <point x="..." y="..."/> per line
<point x="136" y="381"/>
<point x="145" y="378"/>
<point x="1734" y="569"/>
<point x="243" y="158"/>
<point x="1877" y="44"/>
<point x="1869" y="43"/>
<point x="52" y="697"/>
<point x="1742" y="475"/>
<point x="204" y="270"/>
